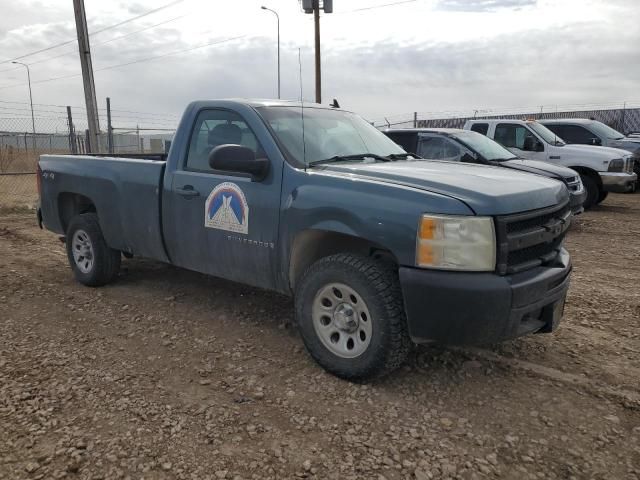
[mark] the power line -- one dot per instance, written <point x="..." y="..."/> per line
<point x="373" y="7"/>
<point x="74" y="52"/>
<point x="140" y="60"/>
<point x="77" y="107"/>
<point x="150" y="12"/>
<point x="155" y="57"/>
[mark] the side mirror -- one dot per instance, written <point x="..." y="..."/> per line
<point x="596" y="141"/>
<point x="468" y="158"/>
<point x="532" y="144"/>
<point x="239" y="160"/>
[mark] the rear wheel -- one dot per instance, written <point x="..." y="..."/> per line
<point x="593" y="191"/>
<point x="92" y="261"/>
<point x="350" y="313"/>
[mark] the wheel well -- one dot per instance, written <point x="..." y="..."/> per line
<point x="312" y="245"/>
<point x="72" y="204"/>
<point x="588" y="171"/>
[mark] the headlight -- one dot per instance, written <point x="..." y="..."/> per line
<point x="616" y="165"/>
<point x="456" y="243"/>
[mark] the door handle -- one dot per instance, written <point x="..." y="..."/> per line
<point x="187" y="191"/>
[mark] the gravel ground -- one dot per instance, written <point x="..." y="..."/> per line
<point x="167" y="374"/>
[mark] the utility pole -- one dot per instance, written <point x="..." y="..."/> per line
<point x="33" y="120"/>
<point x="87" y="77"/>
<point x="313" y="6"/>
<point x="316" y="23"/>
<point x="73" y="146"/>
<point x="109" y="127"/>
<point x="278" y="24"/>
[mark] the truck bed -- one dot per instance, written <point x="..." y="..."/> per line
<point x="126" y="192"/>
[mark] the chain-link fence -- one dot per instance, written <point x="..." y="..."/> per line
<point x="625" y="119"/>
<point x="63" y="130"/>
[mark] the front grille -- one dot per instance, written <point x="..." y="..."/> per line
<point x="530" y="239"/>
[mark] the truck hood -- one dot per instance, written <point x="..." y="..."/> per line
<point x="540" y="168"/>
<point x="592" y="151"/>
<point x="486" y="190"/>
<point x="630" y="144"/>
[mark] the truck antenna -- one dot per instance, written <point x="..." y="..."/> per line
<point x="304" y="148"/>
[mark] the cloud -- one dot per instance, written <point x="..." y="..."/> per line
<point x="483" y="5"/>
<point x="377" y="71"/>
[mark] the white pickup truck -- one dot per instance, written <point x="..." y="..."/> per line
<point x="602" y="169"/>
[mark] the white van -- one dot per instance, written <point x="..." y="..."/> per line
<point x="602" y="169"/>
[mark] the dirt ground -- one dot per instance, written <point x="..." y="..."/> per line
<point x="167" y="374"/>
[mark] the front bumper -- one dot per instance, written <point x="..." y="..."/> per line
<point x="480" y="308"/>
<point x="576" y="199"/>
<point x="618" y="182"/>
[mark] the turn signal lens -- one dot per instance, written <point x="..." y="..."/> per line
<point x="463" y="243"/>
<point x="427" y="228"/>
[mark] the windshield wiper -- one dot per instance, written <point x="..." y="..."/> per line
<point x="402" y="156"/>
<point x="346" y="158"/>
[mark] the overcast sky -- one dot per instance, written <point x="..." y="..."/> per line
<point x="423" y="55"/>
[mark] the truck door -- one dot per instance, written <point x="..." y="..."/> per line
<point x="520" y="141"/>
<point x="220" y="223"/>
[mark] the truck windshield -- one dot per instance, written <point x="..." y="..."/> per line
<point x="328" y="134"/>
<point x="603" y="130"/>
<point x="484" y="146"/>
<point x="546" y="134"/>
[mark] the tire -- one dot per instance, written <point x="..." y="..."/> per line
<point x="374" y="324"/>
<point x="601" y="197"/>
<point x="593" y="191"/>
<point x="93" y="263"/>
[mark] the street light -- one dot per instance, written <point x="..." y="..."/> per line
<point x="33" y="121"/>
<point x="278" y="17"/>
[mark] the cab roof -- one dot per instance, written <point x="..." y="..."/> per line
<point x="268" y="102"/>
<point x="581" y="121"/>
<point x="425" y="130"/>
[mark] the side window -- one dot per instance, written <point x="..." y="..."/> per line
<point x="559" y="130"/>
<point x="451" y="151"/>
<point x="438" y="148"/>
<point x="512" y="135"/>
<point x="575" y="134"/>
<point x="406" y="140"/>
<point x="214" y="128"/>
<point x="482" y="128"/>
<point x="431" y="147"/>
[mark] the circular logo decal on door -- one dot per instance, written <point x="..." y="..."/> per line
<point x="226" y="209"/>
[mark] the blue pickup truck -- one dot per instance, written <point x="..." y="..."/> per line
<point x="379" y="249"/>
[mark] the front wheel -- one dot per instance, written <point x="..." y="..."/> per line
<point x="92" y="261"/>
<point x="602" y="196"/>
<point x="350" y="313"/>
<point x="593" y="191"/>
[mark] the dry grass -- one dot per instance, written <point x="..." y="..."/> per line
<point x="13" y="159"/>
<point x="18" y="191"/>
